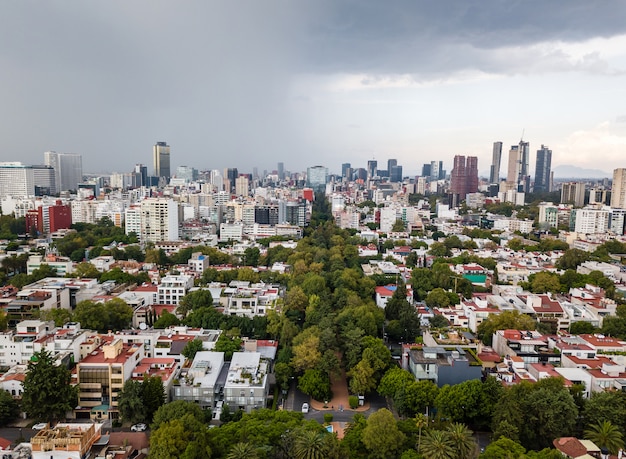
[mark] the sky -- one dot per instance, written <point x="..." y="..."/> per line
<point x="250" y="83"/>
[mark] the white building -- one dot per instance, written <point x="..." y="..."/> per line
<point x="247" y="386"/>
<point x="159" y="220"/>
<point x="592" y="221"/>
<point x="68" y="169"/>
<point x="16" y="179"/>
<point x="173" y="288"/>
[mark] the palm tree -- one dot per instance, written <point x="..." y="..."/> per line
<point x="463" y="440"/>
<point x="421" y="421"/>
<point x="242" y="450"/>
<point x="607" y="435"/>
<point x="310" y="445"/>
<point x="437" y="444"/>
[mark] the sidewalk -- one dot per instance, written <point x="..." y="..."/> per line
<point x="339" y="402"/>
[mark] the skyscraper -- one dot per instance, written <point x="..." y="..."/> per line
<point x="161" y="160"/>
<point x="68" y="169"/>
<point x="395" y="174"/>
<point x="16" y="179"/>
<point x="573" y="193"/>
<point x="618" y="192"/>
<point x="524" y="178"/>
<point x="514" y="166"/>
<point x="542" y="169"/>
<point x="316" y="178"/>
<point x="464" y="176"/>
<point x="372" y="168"/>
<point x="281" y="171"/>
<point x="494" y="173"/>
<point x="391" y="163"/>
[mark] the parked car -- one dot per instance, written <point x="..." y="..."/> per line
<point x="305" y="407"/>
<point x="138" y="427"/>
<point x="40" y="425"/>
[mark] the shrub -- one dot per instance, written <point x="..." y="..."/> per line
<point x="328" y="418"/>
<point x="353" y="400"/>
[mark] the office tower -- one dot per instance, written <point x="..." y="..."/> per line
<point x="542" y="169"/>
<point x="189" y="174"/>
<point x="496" y="158"/>
<point x="281" y="171"/>
<point x="161" y="160"/>
<point x="391" y="163"/>
<point x="316" y="178"/>
<point x="395" y="174"/>
<point x="372" y="168"/>
<point x="242" y="185"/>
<point x="159" y="220"/>
<point x="618" y="192"/>
<point x="360" y="174"/>
<point x="426" y="170"/>
<point x="230" y="174"/>
<point x="344" y="170"/>
<point x="514" y="166"/>
<point x="573" y="193"/>
<point x="434" y="171"/>
<point x="68" y="169"/>
<point x="524" y="179"/>
<point x="45" y="180"/>
<point x="464" y="176"/>
<point x="142" y="172"/>
<point x="16" y="179"/>
<point x="597" y="196"/>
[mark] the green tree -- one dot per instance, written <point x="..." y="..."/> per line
<point x="571" y="258"/>
<point x="606" y="435"/>
<point x="176" y="410"/>
<point x="362" y="379"/>
<point x="438" y="298"/>
<point x="194" y="300"/>
<point x="59" y="316"/>
<point x="544" y="282"/>
<point x="503" y="448"/>
<point x="463" y="441"/>
<point x="316" y="384"/>
<point x="165" y="320"/>
<point x="130" y="402"/>
<point x="503" y="321"/>
<point x="192" y="348"/>
<point x="251" y="256"/>
<point x="381" y="435"/>
<point x="152" y="394"/>
<point x="87" y="270"/>
<point x="242" y="450"/>
<point x="310" y="444"/>
<point x="48" y="390"/>
<point x="113" y="315"/>
<point x="9" y="408"/>
<point x="184" y="438"/>
<point x="227" y="345"/>
<point x="437" y="444"/>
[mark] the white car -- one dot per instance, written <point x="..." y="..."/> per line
<point x="138" y="427"/>
<point x="40" y="425"/>
<point x="305" y="407"/>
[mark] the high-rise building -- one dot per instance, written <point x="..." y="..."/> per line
<point x="281" y="171"/>
<point x="391" y="163"/>
<point x="464" y="176"/>
<point x="524" y="179"/>
<point x="573" y="193"/>
<point x="618" y="192"/>
<point x="16" y="179"/>
<point x="242" y="185"/>
<point x="514" y="166"/>
<point x="68" y="169"/>
<point x="161" y="160"/>
<point x="187" y="173"/>
<point x="426" y="170"/>
<point x="372" y="168"/>
<point x="45" y="180"/>
<point x="542" y="169"/>
<point x="316" y="178"/>
<point x="344" y="170"/>
<point x="142" y="173"/>
<point x="496" y="158"/>
<point x="395" y="174"/>
<point x="230" y="175"/>
<point x="437" y="171"/>
<point x="159" y="220"/>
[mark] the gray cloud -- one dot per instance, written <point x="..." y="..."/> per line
<point x="215" y="79"/>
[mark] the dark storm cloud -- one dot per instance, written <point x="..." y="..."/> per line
<point x="107" y="79"/>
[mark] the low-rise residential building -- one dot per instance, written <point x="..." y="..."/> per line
<point x="441" y="365"/>
<point x="247" y="385"/>
<point x="203" y="383"/>
<point x="530" y="346"/>
<point x="173" y="287"/>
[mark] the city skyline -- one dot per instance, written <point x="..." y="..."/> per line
<point x="239" y="85"/>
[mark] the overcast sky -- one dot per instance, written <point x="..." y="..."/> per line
<point x="249" y="83"/>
